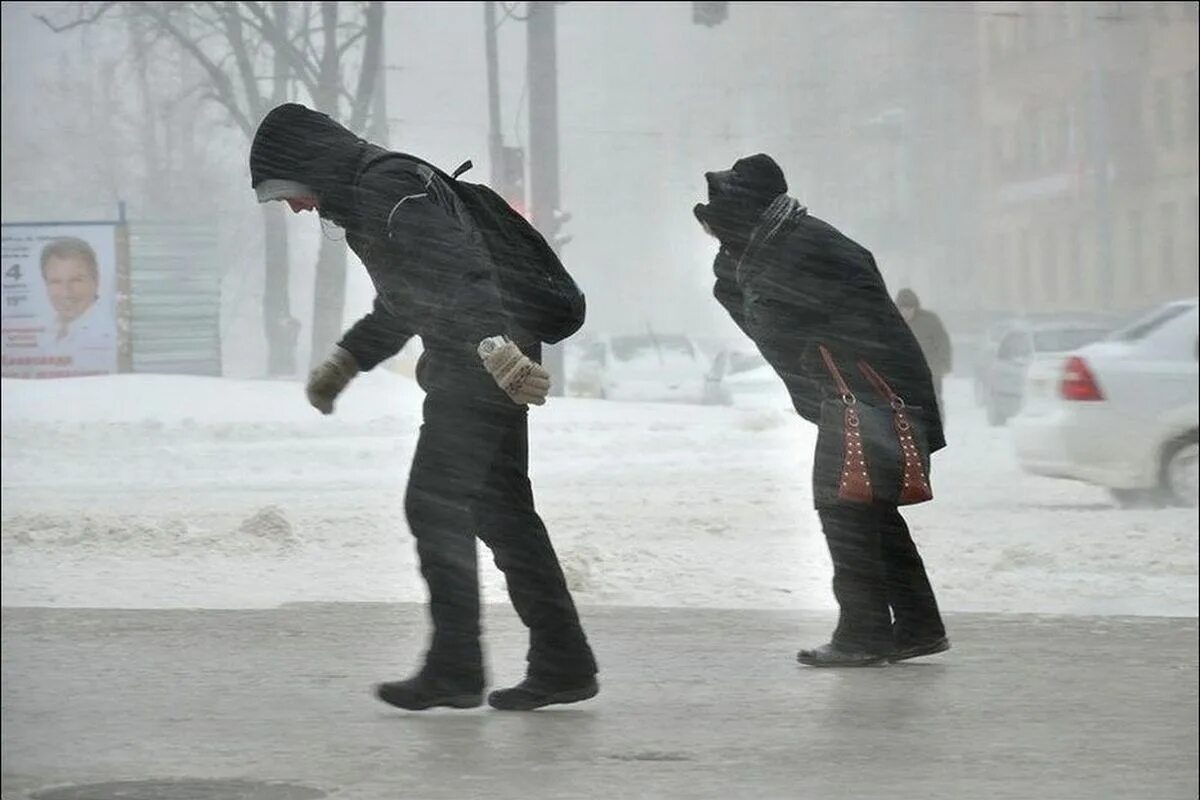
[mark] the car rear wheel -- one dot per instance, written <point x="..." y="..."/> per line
<point x="1137" y="498"/>
<point x="1181" y="472"/>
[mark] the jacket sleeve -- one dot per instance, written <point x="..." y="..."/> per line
<point x="430" y="255"/>
<point x="376" y="337"/>
<point x="788" y="319"/>
<point x="785" y="335"/>
<point x="726" y="289"/>
<point x="773" y="329"/>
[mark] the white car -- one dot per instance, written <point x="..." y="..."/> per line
<point x="1020" y="344"/>
<point x="664" y="368"/>
<point x="743" y="378"/>
<point x="1120" y="413"/>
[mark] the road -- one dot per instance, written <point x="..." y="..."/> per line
<point x="695" y="703"/>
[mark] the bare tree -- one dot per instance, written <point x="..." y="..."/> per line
<point x="254" y="56"/>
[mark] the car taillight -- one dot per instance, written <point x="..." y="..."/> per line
<point x="1078" y="383"/>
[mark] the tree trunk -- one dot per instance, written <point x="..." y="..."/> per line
<point x="329" y="297"/>
<point x="281" y="328"/>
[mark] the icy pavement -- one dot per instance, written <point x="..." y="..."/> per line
<point x="693" y="704"/>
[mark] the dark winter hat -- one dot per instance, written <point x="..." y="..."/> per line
<point x="737" y="197"/>
<point x="759" y="176"/>
<point x="297" y="150"/>
<point x="907" y="298"/>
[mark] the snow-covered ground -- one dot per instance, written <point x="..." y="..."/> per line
<point x="163" y="491"/>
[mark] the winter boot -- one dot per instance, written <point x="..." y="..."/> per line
<point x="425" y="690"/>
<point x="535" y="692"/>
<point x="918" y="649"/>
<point x="830" y="655"/>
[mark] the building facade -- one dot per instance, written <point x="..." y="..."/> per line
<point x="1089" y="173"/>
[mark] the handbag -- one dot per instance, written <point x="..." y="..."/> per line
<point x="869" y="453"/>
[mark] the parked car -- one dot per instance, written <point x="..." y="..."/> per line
<point x="642" y="367"/>
<point x="742" y="377"/>
<point x="1121" y="413"/>
<point x="982" y="352"/>
<point x="1022" y="342"/>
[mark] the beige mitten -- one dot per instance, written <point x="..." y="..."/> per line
<point x="522" y="379"/>
<point x="329" y="378"/>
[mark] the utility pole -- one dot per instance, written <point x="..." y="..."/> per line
<point x="495" y="139"/>
<point x="546" y="214"/>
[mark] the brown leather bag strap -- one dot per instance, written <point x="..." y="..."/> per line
<point x="880" y="384"/>
<point x="847" y="395"/>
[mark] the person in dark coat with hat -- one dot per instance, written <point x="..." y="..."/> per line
<point x="931" y="335"/>
<point x="470" y="474"/>
<point x="794" y="285"/>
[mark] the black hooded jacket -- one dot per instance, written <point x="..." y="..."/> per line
<point x="792" y="282"/>
<point x="427" y="260"/>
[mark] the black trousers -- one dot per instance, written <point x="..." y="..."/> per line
<point x="879" y="580"/>
<point x="470" y="477"/>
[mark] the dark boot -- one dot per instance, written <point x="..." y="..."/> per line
<point x="535" y="692"/>
<point x="424" y="691"/>
<point x="918" y="649"/>
<point x="830" y="655"/>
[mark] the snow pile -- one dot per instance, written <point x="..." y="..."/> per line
<point x="158" y="491"/>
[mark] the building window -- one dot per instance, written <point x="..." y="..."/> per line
<point x="995" y="33"/>
<point x="1012" y="150"/>
<point x="1024" y="271"/>
<point x="1194" y="227"/>
<point x="1134" y="244"/>
<point x="1074" y="275"/>
<point x="1163" y="112"/>
<point x="1002" y="268"/>
<point x="1050" y="273"/>
<point x="996" y="137"/>
<point x="1168" y="269"/>
<point x="1188" y="284"/>
<point x="1024" y="25"/>
<point x="1191" y="102"/>
<point x="1029" y="159"/>
<point x="1060" y="23"/>
<point x="1060" y="135"/>
<point x="1072" y="145"/>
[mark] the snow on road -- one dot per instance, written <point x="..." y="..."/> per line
<point x="166" y="491"/>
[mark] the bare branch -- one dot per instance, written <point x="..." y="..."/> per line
<point x="237" y="43"/>
<point x="346" y="45"/>
<point x="211" y="22"/>
<point x="76" y="23"/>
<point x="221" y="84"/>
<point x="329" y="79"/>
<point x="282" y="76"/>
<point x="302" y="68"/>
<point x="369" y="70"/>
<point x="304" y="33"/>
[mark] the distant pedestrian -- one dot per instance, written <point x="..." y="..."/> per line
<point x="931" y="335"/>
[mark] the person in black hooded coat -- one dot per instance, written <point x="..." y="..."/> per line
<point x="793" y="283"/>
<point x="434" y="278"/>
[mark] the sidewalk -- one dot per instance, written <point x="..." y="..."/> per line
<point x="693" y="704"/>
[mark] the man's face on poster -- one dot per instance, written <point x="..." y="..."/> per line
<point x="71" y="284"/>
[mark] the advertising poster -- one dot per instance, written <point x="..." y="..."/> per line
<point x="59" y="286"/>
